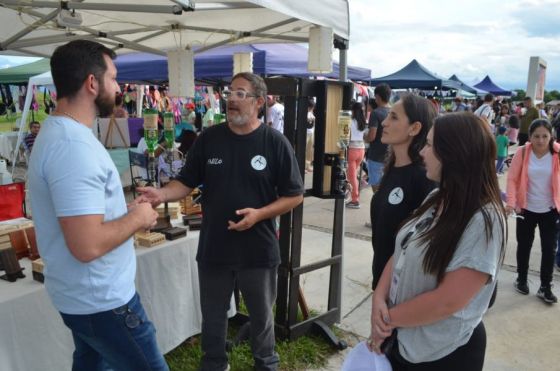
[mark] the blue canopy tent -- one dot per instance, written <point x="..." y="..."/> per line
<point x="217" y="64"/>
<point x="416" y="76"/>
<point x="488" y="85"/>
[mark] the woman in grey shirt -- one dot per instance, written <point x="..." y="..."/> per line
<point x="437" y="286"/>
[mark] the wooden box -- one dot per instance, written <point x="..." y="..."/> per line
<point x="149" y="239"/>
<point x="175" y="233"/>
<point x="195" y="224"/>
<point x="10" y="264"/>
<point x="37" y="267"/>
<point x="173" y="210"/>
<point x="19" y="243"/>
<point x="188" y="204"/>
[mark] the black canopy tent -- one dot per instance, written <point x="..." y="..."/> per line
<point x="463" y="86"/>
<point x="416" y="76"/>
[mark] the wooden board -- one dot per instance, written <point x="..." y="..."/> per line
<point x="149" y="239"/>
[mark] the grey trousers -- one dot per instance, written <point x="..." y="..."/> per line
<point x="258" y="288"/>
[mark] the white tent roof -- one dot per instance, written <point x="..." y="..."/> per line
<point x="29" y="27"/>
<point x="43" y="79"/>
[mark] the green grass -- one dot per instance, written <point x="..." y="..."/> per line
<point x="8" y="122"/>
<point x="300" y="354"/>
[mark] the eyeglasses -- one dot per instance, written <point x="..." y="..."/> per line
<point x="237" y="94"/>
<point x="420" y="227"/>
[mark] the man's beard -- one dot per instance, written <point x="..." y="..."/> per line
<point x="105" y="103"/>
<point x="238" y="119"/>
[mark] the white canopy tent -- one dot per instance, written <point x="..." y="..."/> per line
<point x="44" y="79"/>
<point x="36" y="27"/>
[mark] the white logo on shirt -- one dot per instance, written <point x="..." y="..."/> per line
<point x="258" y="162"/>
<point x="396" y="196"/>
<point x="215" y="161"/>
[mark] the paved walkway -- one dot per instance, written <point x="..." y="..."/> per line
<point x="523" y="332"/>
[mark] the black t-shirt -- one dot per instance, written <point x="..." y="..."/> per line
<point x="237" y="172"/>
<point x="377" y="150"/>
<point x="402" y="190"/>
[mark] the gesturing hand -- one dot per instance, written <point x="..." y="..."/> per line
<point x="250" y="218"/>
<point x="150" y="194"/>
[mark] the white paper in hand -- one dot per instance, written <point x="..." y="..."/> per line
<point x="361" y="359"/>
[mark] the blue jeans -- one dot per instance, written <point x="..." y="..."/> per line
<point x="121" y="339"/>
<point x="375" y="172"/>
<point x="500" y="164"/>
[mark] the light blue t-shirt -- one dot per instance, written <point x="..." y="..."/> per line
<point x="71" y="174"/>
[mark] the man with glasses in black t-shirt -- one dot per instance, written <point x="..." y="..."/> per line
<point x="250" y="176"/>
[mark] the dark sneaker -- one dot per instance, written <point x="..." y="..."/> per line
<point x="521" y="287"/>
<point x="545" y="293"/>
<point x="353" y="205"/>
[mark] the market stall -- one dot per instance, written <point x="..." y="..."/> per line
<point x="34" y="337"/>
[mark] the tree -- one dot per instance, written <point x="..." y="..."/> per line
<point x="519" y="94"/>
<point x="551" y="95"/>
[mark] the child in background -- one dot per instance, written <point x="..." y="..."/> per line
<point x="502" y="143"/>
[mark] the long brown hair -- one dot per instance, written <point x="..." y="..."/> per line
<point x="417" y="109"/>
<point x="467" y="151"/>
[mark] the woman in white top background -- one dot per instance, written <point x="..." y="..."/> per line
<point x="356" y="152"/>
<point x="533" y="191"/>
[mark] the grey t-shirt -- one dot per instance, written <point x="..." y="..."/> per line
<point x="437" y="340"/>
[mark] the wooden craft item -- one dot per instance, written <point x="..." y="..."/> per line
<point x="194" y="209"/>
<point x="25" y="224"/>
<point x="188" y="218"/>
<point x="188" y="206"/>
<point x="149" y="239"/>
<point x="162" y="223"/>
<point x="5" y="238"/>
<point x="10" y="264"/>
<point x="173" y="210"/>
<point x="6" y="229"/>
<point x="109" y="136"/>
<point x="5" y="243"/>
<point x="175" y="233"/>
<point x="37" y="267"/>
<point x="32" y="241"/>
<point x="19" y="243"/>
<point x="195" y="225"/>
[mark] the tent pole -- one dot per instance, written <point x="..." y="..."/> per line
<point x="75" y="5"/>
<point x="23" y="121"/>
<point x="343" y="65"/>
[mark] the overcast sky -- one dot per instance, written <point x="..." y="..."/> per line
<point x="471" y="39"/>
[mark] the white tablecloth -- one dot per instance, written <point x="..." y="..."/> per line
<point x="33" y="336"/>
<point x="8" y="143"/>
